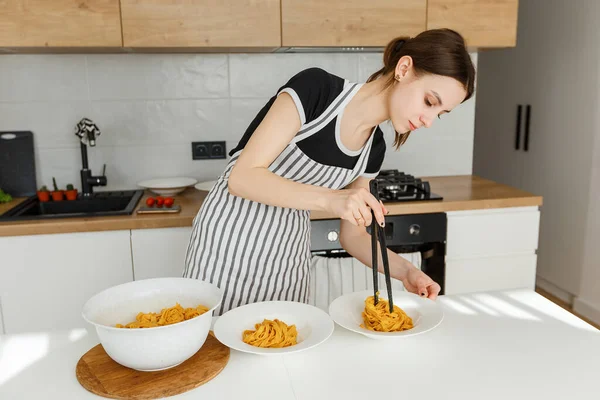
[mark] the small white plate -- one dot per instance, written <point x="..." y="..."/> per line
<point x="167" y="186"/>
<point x="206" y="186"/>
<point x="347" y="310"/>
<point x="314" y="326"/>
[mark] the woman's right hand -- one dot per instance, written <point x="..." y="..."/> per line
<point x="355" y="205"/>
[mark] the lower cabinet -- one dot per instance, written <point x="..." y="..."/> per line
<point x="46" y="279"/>
<point x="159" y="252"/>
<point x="490" y="273"/>
<point x="492" y="249"/>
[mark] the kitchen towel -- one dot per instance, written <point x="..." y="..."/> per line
<point x="331" y="277"/>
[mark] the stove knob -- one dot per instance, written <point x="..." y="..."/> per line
<point x="332" y="236"/>
<point x="414" y="229"/>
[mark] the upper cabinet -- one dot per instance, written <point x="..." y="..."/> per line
<point x="483" y="23"/>
<point x="201" y="23"/>
<point x="245" y="25"/>
<point x="60" y="23"/>
<point x="349" y="22"/>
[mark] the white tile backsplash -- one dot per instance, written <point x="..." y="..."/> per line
<point x="53" y="123"/>
<point x="368" y="64"/>
<point x="156" y="122"/>
<point x="150" y="107"/>
<point x="243" y="112"/>
<point x="42" y="78"/>
<point x="259" y="75"/>
<point x="157" y="76"/>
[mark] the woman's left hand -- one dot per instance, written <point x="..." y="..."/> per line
<point x="416" y="281"/>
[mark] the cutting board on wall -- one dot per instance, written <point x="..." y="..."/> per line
<point x="17" y="163"/>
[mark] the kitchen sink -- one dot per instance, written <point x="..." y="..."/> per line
<point x="107" y="203"/>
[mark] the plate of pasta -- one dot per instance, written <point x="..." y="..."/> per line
<point x="273" y="327"/>
<point x="412" y="314"/>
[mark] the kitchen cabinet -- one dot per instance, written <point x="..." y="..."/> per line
<point x="60" y="23"/>
<point x="349" y="22"/>
<point x="491" y="249"/>
<point x="247" y="25"/>
<point x="483" y="23"/>
<point x="160" y="252"/>
<point x="46" y="279"/>
<point x="553" y="77"/>
<point x="201" y="23"/>
<point x="467" y="275"/>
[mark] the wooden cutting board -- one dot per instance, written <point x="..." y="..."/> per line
<point x="156" y="210"/>
<point x="101" y="375"/>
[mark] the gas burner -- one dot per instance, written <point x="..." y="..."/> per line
<point x="395" y="186"/>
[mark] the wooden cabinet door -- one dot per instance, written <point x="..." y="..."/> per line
<point x="60" y="23"/>
<point x="201" y="23"/>
<point x="483" y="23"/>
<point x="350" y="22"/>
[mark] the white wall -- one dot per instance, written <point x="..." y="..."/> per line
<point x="149" y="107"/>
<point x="588" y="301"/>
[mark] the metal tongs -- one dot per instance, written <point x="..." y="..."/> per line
<point x="378" y="233"/>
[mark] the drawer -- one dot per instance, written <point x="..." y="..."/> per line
<point x="479" y="274"/>
<point x="493" y="232"/>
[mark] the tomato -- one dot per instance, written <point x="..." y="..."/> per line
<point x="169" y="202"/>
<point x="150" y="201"/>
<point x="159" y="201"/>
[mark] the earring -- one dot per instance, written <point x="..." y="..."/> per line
<point x="397" y="77"/>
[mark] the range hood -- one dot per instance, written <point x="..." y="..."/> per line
<point x="325" y="49"/>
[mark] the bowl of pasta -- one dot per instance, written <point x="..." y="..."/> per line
<point x="153" y="324"/>
<point x="412" y="315"/>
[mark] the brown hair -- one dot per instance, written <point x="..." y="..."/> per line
<point x="436" y="51"/>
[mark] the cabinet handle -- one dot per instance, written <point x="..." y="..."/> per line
<point x="518" y="129"/>
<point x="527" y="118"/>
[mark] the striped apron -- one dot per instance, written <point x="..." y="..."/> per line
<point x="256" y="252"/>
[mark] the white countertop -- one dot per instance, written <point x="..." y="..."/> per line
<point x="499" y="345"/>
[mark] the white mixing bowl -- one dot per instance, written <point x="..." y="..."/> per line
<point x="152" y="349"/>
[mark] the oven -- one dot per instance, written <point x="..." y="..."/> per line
<point x="419" y="238"/>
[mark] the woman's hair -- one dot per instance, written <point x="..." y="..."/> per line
<point x="436" y="51"/>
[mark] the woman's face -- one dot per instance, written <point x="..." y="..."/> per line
<point x="415" y="102"/>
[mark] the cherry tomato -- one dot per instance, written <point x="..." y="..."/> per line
<point x="169" y="202"/>
<point x="160" y="201"/>
<point x="150" y="201"/>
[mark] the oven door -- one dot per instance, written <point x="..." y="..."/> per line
<point x="418" y="238"/>
<point x="332" y="276"/>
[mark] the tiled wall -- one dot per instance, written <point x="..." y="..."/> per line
<point x="149" y="107"/>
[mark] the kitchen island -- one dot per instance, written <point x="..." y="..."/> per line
<point x="490" y="345"/>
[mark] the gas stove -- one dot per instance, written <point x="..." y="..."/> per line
<point x="395" y="186"/>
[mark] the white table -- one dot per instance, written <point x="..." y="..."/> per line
<point x="498" y="345"/>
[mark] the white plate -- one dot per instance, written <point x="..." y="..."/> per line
<point x="314" y="326"/>
<point x="167" y="186"/>
<point x="206" y="186"/>
<point x="347" y="310"/>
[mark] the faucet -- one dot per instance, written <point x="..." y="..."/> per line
<point x="87" y="131"/>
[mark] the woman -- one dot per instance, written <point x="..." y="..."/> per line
<point x="318" y="135"/>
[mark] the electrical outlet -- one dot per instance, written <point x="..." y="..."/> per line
<point x="217" y="150"/>
<point x="200" y="150"/>
<point x="208" y="150"/>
